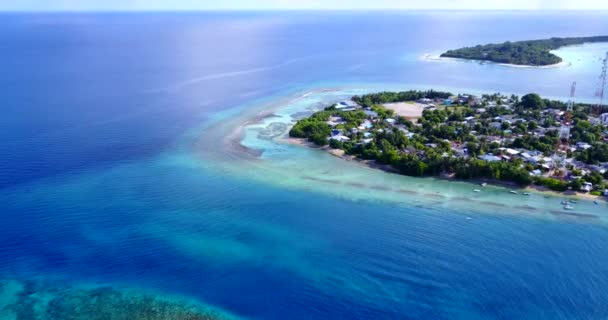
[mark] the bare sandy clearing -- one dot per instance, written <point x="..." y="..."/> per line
<point x="408" y="110"/>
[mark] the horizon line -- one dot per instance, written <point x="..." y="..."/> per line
<point x="293" y="10"/>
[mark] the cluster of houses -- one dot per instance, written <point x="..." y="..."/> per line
<point x="365" y="128"/>
<point x="544" y="165"/>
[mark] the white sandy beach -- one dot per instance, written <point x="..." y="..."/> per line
<point x="437" y="57"/>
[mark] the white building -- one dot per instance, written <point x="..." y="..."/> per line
<point x="583" y="145"/>
<point x="391" y="121"/>
<point x="588" y="186"/>
<point x="604" y="118"/>
<point x="340" y="138"/>
<point x="512" y="152"/>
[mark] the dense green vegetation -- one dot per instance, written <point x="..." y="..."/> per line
<point x="531" y="52"/>
<point x="428" y="154"/>
<point x="316" y="128"/>
<point x="454" y="140"/>
<point x="370" y="100"/>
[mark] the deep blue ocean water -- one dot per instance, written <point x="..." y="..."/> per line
<point x="100" y="181"/>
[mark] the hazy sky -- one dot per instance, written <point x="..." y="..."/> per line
<point x="298" y="4"/>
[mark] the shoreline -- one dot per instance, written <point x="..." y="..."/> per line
<point x="232" y="141"/>
<point x="541" y="190"/>
<point x="568" y="194"/>
<point x="438" y="58"/>
<point x="562" y="64"/>
<point x="230" y="136"/>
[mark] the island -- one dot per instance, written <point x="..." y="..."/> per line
<point x="492" y="138"/>
<point x="524" y="53"/>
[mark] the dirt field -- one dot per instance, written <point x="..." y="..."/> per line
<point x="408" y="110"/>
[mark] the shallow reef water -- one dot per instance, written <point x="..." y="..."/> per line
<point x="42" y="300"/>
<point x="145" y="173"/>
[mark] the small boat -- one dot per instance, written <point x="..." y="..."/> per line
<point x="513" y="192"/>
<point x="476" y="190"/>
<point x="564" y="202"/>
<point x="595" y="202"/>
<point x="526" y="193"/>
<point x="484" y="184"/>
<point x="568" y="207"/>
<point x="572" y="201"/>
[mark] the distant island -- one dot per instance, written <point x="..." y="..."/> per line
<point x="524" y="53"/>
<point x="492" y="138"/>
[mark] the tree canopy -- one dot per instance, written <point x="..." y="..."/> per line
<point x="461" y="140"/>
<point x="532" y="101"/>
<point x="531" y="52"/>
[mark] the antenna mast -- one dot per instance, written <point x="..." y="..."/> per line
<point x="564" y="131"/>
<point x="602" y="86"/>
<point x="561" y="150"/>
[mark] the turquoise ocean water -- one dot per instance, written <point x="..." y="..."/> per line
<point x="122" y="173"/>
